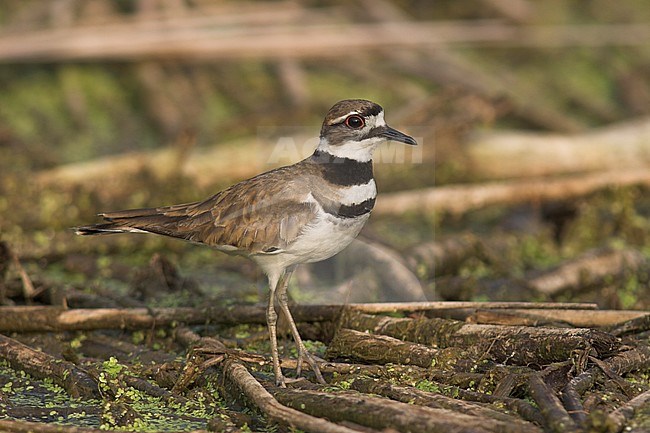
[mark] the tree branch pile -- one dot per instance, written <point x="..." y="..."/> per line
<point x="418" y="372"/>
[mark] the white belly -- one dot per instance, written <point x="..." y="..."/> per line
<point x="326" y="238"/>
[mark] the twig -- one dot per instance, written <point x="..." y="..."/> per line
<point x="621" y="363"/>
<point x="29" y="292"/>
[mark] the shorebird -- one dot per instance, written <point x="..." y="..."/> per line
<point x="301" y="213"/>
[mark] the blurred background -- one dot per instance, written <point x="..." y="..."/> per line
<point x="532" y="119"/>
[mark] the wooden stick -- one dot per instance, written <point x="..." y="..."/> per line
<point x="407" y="307"/>
<point x="295" y="40"/>
<point x="24" y="319"/>
<point x="261" y="398"/>
<point x="46" y="318"/>
<point x="540" y="317"/>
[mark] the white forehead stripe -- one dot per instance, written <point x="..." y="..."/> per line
<point x="379" y="119"/>
<point x="340" y="119"/>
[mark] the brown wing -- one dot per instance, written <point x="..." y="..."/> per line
<point x="262" y="214"/>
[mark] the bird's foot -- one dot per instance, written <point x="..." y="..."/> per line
<point x="279" y="377"/>
<point x="312" y="360"/>
<point x="281" y="381"/>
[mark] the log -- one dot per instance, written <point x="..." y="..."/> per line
<point x="518" y="154"/>
<point x="458" y="199"/>
<point x="437" y="258"/>
<point x="396" y="279"/>
<point x="204" y="167"/>
<point x="519" y="345"/>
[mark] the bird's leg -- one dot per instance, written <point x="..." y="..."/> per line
<point x="271" y="321"/>
<point x="283" y="300"/>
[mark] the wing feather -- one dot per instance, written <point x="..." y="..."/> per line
<point x="258" y="215"/>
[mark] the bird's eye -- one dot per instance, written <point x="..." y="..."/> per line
<point x="355" y="122"/>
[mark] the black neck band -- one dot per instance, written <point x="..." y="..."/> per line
<point x="342" y="171"/>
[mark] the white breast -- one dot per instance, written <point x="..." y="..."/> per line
<point x="356" y="194"/>
<point x="324" y="237"/>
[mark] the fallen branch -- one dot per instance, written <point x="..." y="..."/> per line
<point x="442" y="257"/>
<point x="632" y="360"/>
<point x="410" y="395"/>
<point x="587" y="270"/>
<point x="74" y="380"/>
<point x="392" y="273"/>
<point x="381" y="414"/>
<point x="265" y="402"/>
<point x="576" y="318"/>
<point x="623" y="414"/>
<point x="556" y="417"/>
<point x="518" y="345"/>
<point x="525" y="154"/>
<point x="458" y="199"/>
<point x="380" y="349"/>
<point x="18" y="426"/>
<point x="212" y="41"/>
<point x="25" y="319"/>
<point x="46" y="318"/>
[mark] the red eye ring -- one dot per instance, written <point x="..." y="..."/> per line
<point x="355" y="122"/>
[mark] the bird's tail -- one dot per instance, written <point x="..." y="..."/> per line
<point x="162" y="221"/>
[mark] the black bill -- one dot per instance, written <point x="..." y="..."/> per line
<point x="395" y="135"/>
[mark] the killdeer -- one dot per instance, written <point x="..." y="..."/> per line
<point x="301" y="213"/>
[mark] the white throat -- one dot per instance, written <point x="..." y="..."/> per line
<point x="358" y="150"/>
